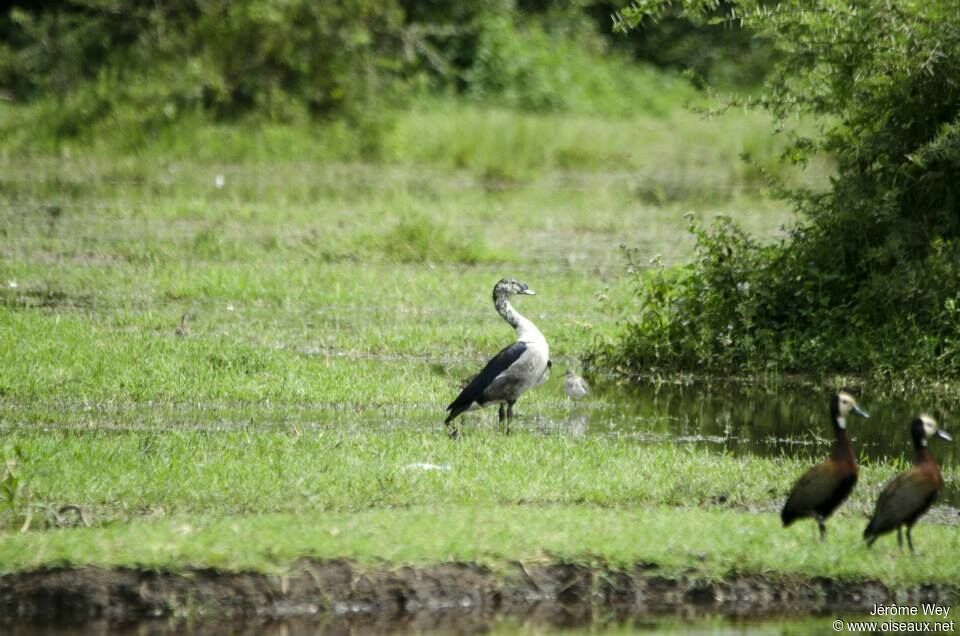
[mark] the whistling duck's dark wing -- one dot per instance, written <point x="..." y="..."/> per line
<point x="819" y="490"/>
<point x="903" y="499"/>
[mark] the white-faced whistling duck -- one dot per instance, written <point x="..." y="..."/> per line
<point x="827" y="485"/>
<point x="911" y="493"/>
<point x="518" y="367"/>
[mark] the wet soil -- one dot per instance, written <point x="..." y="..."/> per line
<point x="331" y="596"/>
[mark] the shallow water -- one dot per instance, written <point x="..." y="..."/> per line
<point x="791" y="422"/>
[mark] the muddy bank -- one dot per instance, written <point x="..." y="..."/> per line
<point x="339" y="594"/>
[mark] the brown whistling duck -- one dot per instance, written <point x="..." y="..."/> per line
<point x="827" y="485"/>
<point x="912" y="492"/>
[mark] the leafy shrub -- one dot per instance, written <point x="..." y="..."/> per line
<point x="131" y="64"/>
<point x="534" y="65"/>
<point x="133" y="69"/>
<point x="227" y="57"/>
<point x="868" y="280"/>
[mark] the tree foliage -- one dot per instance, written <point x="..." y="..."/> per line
<point x="869" y="279"/>
<point x="712" y="52"/>
<point x="124" y="64"/>
<point x="155" y="60"/>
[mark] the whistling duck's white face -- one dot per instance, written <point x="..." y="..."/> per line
<point x="845" y="402"/>
<point x="931" y="429"/>
<point x="846" y="405"/>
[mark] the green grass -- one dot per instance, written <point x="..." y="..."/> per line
<point x="599" y="497"/>
<point x="288" y="268"/>
<point x="499" y="146"/>
<point x="720" y="542"/>
<point x="502" y="144"/>
<point x="333" y="308"/>
<point x="250" y="469"/>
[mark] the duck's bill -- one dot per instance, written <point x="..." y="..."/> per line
<point x="528" y="292"/>
<point x="943" y="435"/>
<point x="859" y="411"/>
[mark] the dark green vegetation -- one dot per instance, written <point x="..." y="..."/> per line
<point x="128" y="70"/>
<point x="866" y="282"/>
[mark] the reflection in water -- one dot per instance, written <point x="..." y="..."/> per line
<point x="457" y="624"/>
<point x="576" y="424"/>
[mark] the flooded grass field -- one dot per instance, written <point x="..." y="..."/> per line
<point x="237" y="366"/>
<point x="728" y="419"/>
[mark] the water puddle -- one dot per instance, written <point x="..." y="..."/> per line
<point x="754" y="421"/>
<point x="790" y="422"/>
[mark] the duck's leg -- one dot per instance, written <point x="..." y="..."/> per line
<point x="900" y="537"/>
<point x="910" y="540"/>
<point x="502" y="416"/>
<point x="509" y="415"/>
<point x="822" y="526"/>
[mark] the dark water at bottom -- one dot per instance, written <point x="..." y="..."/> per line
<point x="459" y="624"/>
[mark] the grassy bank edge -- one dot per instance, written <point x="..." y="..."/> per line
<point x="712" y="543"/>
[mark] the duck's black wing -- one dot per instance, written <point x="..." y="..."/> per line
<point x="903" y="500"/>
<point x="473" y="392"/>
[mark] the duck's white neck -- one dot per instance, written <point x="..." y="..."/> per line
<point x="526" y="330"/>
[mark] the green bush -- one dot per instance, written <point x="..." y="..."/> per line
<point x="868" y="279"/>
<point x="95" y="65"/>
<point x="227" y="57"/>
<point x="712" y="52"/>
<point x="534" y="65"/>
<point x="127" y="70"/>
